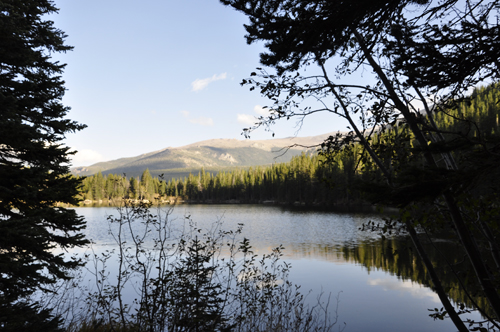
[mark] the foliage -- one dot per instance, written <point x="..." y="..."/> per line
<point x="301" y="180"/>
<point x="425" y="54"/>
<point x="326" y="179"/>
<point x="189" y="279"/>
<point x="33" y="164"/>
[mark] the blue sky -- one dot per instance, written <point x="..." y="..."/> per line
<point x="146" y="75"/>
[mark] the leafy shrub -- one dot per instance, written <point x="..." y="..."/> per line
<point x="189" y="279"/>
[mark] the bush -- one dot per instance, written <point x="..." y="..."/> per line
<point x="189" y="279"/>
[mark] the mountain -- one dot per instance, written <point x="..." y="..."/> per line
<point x="213" y="155"/>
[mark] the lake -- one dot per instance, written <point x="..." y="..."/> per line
<point x="381" y="284"/>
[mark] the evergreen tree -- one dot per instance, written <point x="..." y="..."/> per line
<point x="98" y="189"/>
<point x="133" y="188"/>
<point x="34" y="171"/>
<point x="147" y="184"/>
<point x="110" y="186"/>
<point x="413" y="49"/>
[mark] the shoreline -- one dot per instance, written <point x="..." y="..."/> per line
<point x="340" y="207"/>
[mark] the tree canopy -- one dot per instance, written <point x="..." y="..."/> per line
<point x="414" y="62"/>
<point x="34" y="163"/>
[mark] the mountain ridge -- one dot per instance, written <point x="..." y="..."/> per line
<point x="212" y="154"/>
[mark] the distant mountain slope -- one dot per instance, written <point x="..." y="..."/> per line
<point x="212" y="154"/>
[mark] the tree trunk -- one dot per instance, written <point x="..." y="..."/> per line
<point x="464" y="234"/>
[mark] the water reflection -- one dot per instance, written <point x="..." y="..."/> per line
<point x="397" y="257"/>
<point x="384" y="286"/>
<point x="418" y="292"/>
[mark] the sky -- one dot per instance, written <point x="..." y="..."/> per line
<point x="147" y="75"/>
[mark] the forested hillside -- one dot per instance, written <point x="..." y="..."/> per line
<point x="304" y="179"/>
<point x="310" y="179"/>
<point x="481" y="113"/>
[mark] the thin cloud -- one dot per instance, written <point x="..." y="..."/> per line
<point x="261" y="110"/>
<point x="249" y="119"/>
<point x="246" y="119"/>
<point x="200" y="84"/>
<point x="86" y="157"/>
<point x="204" y="121"/>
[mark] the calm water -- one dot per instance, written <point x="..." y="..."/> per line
<point x="329" y="254"/>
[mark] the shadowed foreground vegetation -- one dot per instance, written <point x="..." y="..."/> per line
<point x="183" y="278"/>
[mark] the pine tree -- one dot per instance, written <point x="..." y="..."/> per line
<point x="414" y="49"/>
<point x="98" y="186"/>
<point x="34" y="171"/>
<point x="147" y="184"/>
<point x="133" y="188"/>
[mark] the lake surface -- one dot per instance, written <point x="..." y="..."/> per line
<point x="380" y="283"/>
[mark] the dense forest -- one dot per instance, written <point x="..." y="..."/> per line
<point x="304" y="179"/>
<point x="309" y="179"/>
